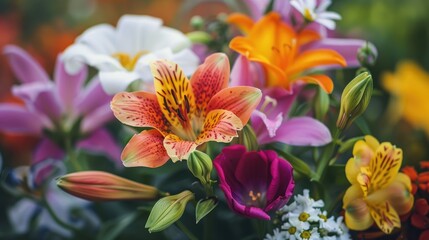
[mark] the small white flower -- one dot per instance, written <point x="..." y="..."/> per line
<point x="316" y="13"/>
<point x="123" y="54"/>
<point x="277" y="235"/>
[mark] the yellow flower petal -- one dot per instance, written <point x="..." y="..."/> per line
<point x="385" y="217"/>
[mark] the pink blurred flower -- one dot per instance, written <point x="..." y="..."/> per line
<point x="57" y="111"/>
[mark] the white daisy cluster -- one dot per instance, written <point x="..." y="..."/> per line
<point x="305" y="219"/>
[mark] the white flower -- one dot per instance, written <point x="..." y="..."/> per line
<point x="123" y="54"/>
<point x="277" y="235"/>
<point x="316" y="13"/>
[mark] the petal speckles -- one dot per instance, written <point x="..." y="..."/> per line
<point x="220" y="126"/>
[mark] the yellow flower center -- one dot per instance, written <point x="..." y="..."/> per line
<point x="127" y="61"/>
<point x="305" y="235"/>
<point x="303" y="216"/>
<point x="308" y="15"/>
<point x="323" y="217"/>
<point x="292" y="230"/>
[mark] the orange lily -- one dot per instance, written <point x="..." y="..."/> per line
<point x="277" y="46"/>
<point x="183" y="114"/>
<point x="378" y="194"/>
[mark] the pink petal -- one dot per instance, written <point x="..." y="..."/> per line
<point x="247" y="73"/>
<point x="17" y="119"/>
<point x="262" y="123"/>
<point x="47" y="103"/>
<point x="90" y="98"/>
<point x="47" y="150"/>
<point x="239" y="100"/>
<point x="209" y="78"/>
<point x="145" y="150"/>
<point x="220" y="126"/>
<point x="68" y="85"/>
<point x="101" y="141"/>
<point x="139" y="109"/>
<point x="26" y="69"/>
<point x="348" y="48"/>
<point x="303" y="131"/>
<point x="96" y="119"/>
<point x="177" y="148"/>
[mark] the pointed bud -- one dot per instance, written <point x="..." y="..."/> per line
<point x="247" y="138"/>
<point x="200" y="164"/>
<point x="167" y="211"/>
<point x="321" y="105"/>
<point x="103" y="186"/>
<point x="355" y="99"/>
<point x="204" y="207"/>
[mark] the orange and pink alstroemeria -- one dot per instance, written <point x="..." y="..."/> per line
<point x="182" y="113"/>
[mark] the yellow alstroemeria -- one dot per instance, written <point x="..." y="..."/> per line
<point x="183" y="113"/>
<point x="277" y="46"/>
<point x="379" y="193"/>
<point x="410" y="85"/>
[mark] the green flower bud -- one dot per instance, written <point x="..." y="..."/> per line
<point x="247" y="138"/>
<point x="199" y="37"/>
<point x="201" y="165"/>
<point x="167" y="211"/>
<point x="367" y="55"/>
<point x="197" y="22"/>
<point x="321" y="105"/>
<point x="354" y="99"/>
<point x="204" y="207"/>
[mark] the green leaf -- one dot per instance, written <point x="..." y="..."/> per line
<point x="298" y="164"/>
<point x="348" y="144"/>
<point x="168" y="210"/>
<point x="112" y="229"/>
<point x="204" y="207"/>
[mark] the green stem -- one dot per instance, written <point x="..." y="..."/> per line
<point x="207" y="225"/>
<point x="260" y="226"/>
<point x="326" y="156"/>
<point x="186" y="231"/>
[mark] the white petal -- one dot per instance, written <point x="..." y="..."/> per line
<point x="187" y="60"/>
<point x="142" y="66"/>
<point x="100" y="39"/>
<point x="169" y="38"/>
<point x="311" y="4"/>
<point x="134" y="31"/>
<point x="114" y="82"/>
<point x="78" y="54"/>
<point x="329" y="15"/>
<point x="327" y="23"/>
<point x="323" y="5"/>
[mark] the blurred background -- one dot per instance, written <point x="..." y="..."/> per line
<point x="399" y="109"/>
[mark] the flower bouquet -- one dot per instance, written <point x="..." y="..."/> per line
<point x="248" y="126"/>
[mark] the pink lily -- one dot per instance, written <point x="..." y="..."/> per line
<point x="183" y="114"/>
<point x="55" y="107"/>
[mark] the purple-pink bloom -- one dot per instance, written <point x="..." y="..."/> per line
<point x="270" y="120"/>
<point x="254" y="183"/>
<point x="65" y="107"/>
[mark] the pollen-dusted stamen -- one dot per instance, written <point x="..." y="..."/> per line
<point x="309" y="15"/>
<point x="127" y="61"/>
<point x="305" y="234"/>
<point x="303" y="216"/>
<point x="256" y="198"/>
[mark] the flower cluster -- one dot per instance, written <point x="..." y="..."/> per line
<point x="151" y="126"/>
<point x="305" y="218"/>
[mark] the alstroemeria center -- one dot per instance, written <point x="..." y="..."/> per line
<point x="256" y="199"/>
<point x="128" y="61"/>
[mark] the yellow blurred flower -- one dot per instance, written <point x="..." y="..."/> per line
<point x="379" y="193"/>
<point x="410" y="86"/>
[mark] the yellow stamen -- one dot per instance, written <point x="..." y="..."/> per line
<point x="292" y="230"/>
<point x="308" y="15"/>
<point x="127" y="61"/>
<point x="305" y="235"/>
<point x="303" y="216"/>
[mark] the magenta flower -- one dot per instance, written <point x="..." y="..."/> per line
<point x="254" y="183"/>
<point x="57" y="110"/>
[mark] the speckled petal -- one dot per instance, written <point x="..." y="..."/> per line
<point x="177" y="148"/>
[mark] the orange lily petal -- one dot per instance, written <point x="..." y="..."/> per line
<point x="139" y="109"/>
<point x="243" y="22"/>
<point x="174" y="94"/>
<point x="315" y="58"/>
<point x="323" y="81"/>
<point x="209" y="78"/>
<point x="307" y="36"/>
<point x="385" y="166"/>
<point x="145" y="150"/>
<point x="239" y="100"/>
<point x="385" y="217"/>
<point x="177" y="148"/>
<point x="220" y="126"/>
<point x="357" y="216"/>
